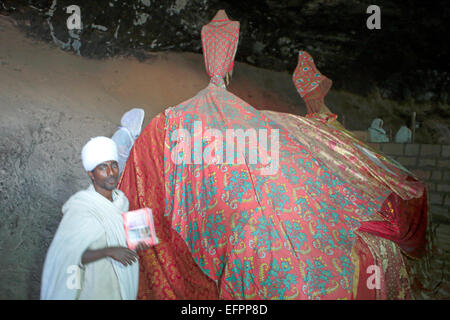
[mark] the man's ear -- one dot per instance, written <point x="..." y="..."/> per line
<point x="91" y="175"/>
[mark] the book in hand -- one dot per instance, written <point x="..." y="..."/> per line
<point x="139" y="227"/>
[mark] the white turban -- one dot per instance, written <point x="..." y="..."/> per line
<point x="98" y="150"/>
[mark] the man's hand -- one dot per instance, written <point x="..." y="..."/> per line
<point x="142" y="246"/>
<point x="124" y="255"/>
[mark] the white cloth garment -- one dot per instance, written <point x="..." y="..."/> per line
<point x="376" y="131"/>
<point x="126" y="134"/>
<point x="90" y="221"/>
<point x="98" y="150"/>
<point x="404" y="135"/>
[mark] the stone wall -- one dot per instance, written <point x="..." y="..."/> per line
<point x="431" y="164"/>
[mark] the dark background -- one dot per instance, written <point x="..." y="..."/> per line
<point x="407" y="59"/>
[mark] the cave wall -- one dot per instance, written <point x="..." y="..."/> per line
<point x="406" y="61"/>
<point x="37" y="144"/>
<point x="406" y="58"/>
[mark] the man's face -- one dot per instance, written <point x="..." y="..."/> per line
<point x="106" y="175"/>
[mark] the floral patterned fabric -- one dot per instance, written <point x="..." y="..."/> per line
<point x="230" y="228"/>
<point x="287" y="235"/>
<point x="403" y="214"/>
<point x="167" y="270"/>
<point x="220" y="40"/>
<point x="362" y="166"/>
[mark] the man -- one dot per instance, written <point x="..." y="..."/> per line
<point x="88" y="257"/>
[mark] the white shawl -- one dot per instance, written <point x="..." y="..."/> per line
<point x="87" y="216"/>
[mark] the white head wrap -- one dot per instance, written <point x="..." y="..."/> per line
<point x="98" y="150"/>
<point x="377" y="124"/>
<point x="132" y="120"/>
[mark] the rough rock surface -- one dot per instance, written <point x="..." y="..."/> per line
<point x="406" y="58"/>
<point x="405" y="61"/>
